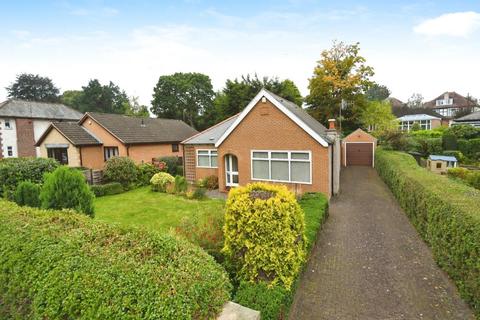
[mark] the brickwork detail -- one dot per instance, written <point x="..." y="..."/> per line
<point x="25" y="137"/>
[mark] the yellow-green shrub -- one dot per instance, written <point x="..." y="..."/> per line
<point x="264" y="234"/>
<point x="160" y="181"/>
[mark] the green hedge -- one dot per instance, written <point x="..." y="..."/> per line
<point x="274" y="302"/>
<point x="107" y="189"/>
<point x="62" y="265"/>
<point x="470" y="148"/>
<point x="15" y="170"/>
<point x="446" y="214"/>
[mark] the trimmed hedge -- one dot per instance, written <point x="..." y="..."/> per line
<point x="15" y="170"/>
<point x="446" y="214"/>
<point x="107" y="189"/>
<point x="56" y="265"/>
<point x="274" y="302"/>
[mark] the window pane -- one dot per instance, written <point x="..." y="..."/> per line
<point x="300" y="155"/>
<point x="300" y="171"/>
<point x="279" y="155"/>
<point x="260" y="169"/>
<point x="213" y="152"/>
<point x="234" y="164"/>
<point x="203" y="161"/>
<point x="260" y="154"/>
<point x="235" y="178"/>
<point x="214" y="161"/>
<point x="280" y="170"/>
<point x="202" y="151"/>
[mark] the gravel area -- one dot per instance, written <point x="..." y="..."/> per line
<point x="370" y="263"/>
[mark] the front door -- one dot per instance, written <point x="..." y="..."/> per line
<point x="231" y="170"/>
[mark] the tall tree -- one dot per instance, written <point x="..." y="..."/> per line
<point x="183" y="96"/>
<point x="340" y="74"/>
<point x="71" y="98"/>
<point x="377" y="117"/>
<point x="377" y="92"/>
<point x="415" y="101"/>
<point x="33" y="87"/>
<point x="136" y="109"/>
<point x="103" y="98"/>
<point x="238" y="93"/>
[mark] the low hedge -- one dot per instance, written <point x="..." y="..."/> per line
<point x="274" y="302"/>
<point x="62" y="265"/>
<point x="446" y="214"/>
<point x="107" y="189"/>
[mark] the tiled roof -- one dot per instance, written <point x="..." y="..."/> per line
<point x="474" y="116"/>
<point x="459" y="101"/>
<point x="38" y="110"/>
<point x="134" y="130"/>
<point x="74" y="132"/>
<point x="212" y="134"/>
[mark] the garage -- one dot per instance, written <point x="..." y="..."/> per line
<point x="358" y="149"/>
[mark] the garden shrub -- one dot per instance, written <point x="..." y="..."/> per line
<point x="179" y="171"/>
<point x="211" y="182"/>
<point x="454" y="153"/>
<point x="172" y="164"/>
<point x="28" y="194"/>
<point x="394" y="139"/>
<point x="145" y="172"/>
<point x="120" y="169"/>
<point x="107" y="189"/>
<point x="160" y="181"/>
<point x="470" y="148"/>
<point x="65" y="188"/>
<point x="181" y="185"/>
<point x="445" y="213"/>
<point x="449" y="142"/>
<point x="473" y="179"/>
<point x="198" y="193"/>
<point x="434" y="133"/>
<point x="464" y="131"/>
<point x="264" y="234"/>
<point x="56" y="265"/>
<point x="271" y="301"/>
<point x="15" y="170"/>
<point x="459" y="173"/>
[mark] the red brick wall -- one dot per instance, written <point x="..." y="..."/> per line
<point x="25" y="138"/>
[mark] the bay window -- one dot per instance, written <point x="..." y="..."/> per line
<point x="207" y="159"/>
<point x="282" y="166"/>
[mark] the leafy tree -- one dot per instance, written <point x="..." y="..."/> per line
<point x="103" y="98"/>
<point x="378" y="117"/>
<point x="136" y="109"/>
<point x="237" y="94"/>
<point x="415" y="101"/>
<point x="340" y="74"/>
<point x="183" y="96"/>
<point x="33" y="87"/>
<point x="72" y="98"/>
<point x="377" y="92"/>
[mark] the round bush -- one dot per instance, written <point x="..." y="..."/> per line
<point x="145" y="172"/>
<point x="120" y="169"/>
<point x="65" y="188"/>
<point x="65" y="266"/>
<point x="264" y="234"/>
<point x="160" y="181"/>
<point x="28" y="194"/>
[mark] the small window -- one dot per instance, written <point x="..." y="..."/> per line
<point x="8" y="125"/>
<point x="439" y="165"/>
<point x="207" y="159"/>
<point x="175" y="147"/>
<point x="59" y="154"/>
<point x="109" y="152"/>
<point x="10" y="151"/>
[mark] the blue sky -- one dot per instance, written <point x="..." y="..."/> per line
<point x="414" y="46"/>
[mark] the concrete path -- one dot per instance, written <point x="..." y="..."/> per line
<point x="370" y="263"/>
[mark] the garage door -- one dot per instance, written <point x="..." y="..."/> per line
<point x="359" y="154"/>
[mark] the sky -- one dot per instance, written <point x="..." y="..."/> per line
<point x="414" y="46"/>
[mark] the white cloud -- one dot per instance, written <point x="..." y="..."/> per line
<point x="458" y="24"/>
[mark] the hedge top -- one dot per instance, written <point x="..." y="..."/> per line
<point x="62" y="265"/>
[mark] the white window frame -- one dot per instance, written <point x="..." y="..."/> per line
<point x="210" y="151"/>
<point x="289" y="159"/>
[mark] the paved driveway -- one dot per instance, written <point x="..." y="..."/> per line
<point x="370" y="263"/>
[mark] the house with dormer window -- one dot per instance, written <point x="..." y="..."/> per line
<point x="449" y="104"/>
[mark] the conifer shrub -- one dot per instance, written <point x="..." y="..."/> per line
<point x="264" y="234"/>
<point x="66" y="189"/>
<point x="28" y="194"/>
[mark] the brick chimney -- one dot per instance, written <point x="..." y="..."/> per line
<point x="331" y="124"/>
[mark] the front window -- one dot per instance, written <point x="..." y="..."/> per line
<point x="59" y="154"/>
<point x="207" y="158"/>
<point x="282" y="166"/>
<point x="109" y="152"/>
<point x="175" y="147"/>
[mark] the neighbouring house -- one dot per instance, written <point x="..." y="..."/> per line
<point x="440" y="164"/>
<point x="23" y="122"/>
<point x="449" y="104"/>
<point x="472" y="119"/>
<point x="426" y="118"/>
<point x="358" y="149"/>
<point x="99" y="136"/>
<point x="271" y="140"/>
<point x="396" y="103"/>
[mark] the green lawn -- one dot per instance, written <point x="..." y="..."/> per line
<point x="153" y="210"/>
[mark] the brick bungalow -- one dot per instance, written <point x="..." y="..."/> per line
<point x="100" y="136"/>
<point x="23" y="122"/>
<point x="271" y="140"/>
